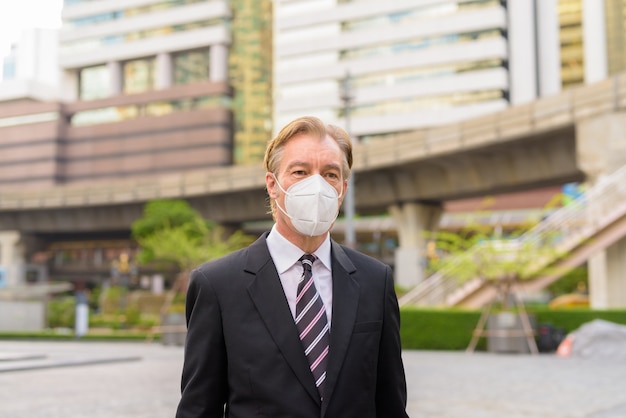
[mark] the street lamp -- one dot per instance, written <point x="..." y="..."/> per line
<point x="346" y="95"/>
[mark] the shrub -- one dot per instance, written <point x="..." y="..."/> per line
<point x="61" y="312"/>
<point x="451" y="329"/>
<point x="437" y="329"/>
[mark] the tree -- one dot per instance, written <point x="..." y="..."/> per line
<point x="479" y="254"/>
<point x="171" y="231"/>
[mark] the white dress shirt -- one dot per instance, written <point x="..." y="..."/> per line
<point x="286" y="258"/>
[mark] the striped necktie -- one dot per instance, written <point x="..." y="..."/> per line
<point x="312" y="323"/>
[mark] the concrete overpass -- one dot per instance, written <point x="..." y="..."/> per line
<point x="572" y="136"/>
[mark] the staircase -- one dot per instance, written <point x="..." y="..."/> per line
<point x="592" y="222"/>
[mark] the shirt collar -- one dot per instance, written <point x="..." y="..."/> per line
<point x="285" y="254"/>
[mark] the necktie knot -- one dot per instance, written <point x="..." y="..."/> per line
<point x="307" y="261"/>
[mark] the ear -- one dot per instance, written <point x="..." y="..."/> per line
<point x="345" y="190"/>
<point x="270" y="185"/>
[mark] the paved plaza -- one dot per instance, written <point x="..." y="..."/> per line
<point x="141" y="380"/>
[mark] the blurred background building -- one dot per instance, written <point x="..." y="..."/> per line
<point x="142" y="89"/>
<point x="412" y="64"/>
<point x="31" y="67"/>
<point x="417" y="63"/>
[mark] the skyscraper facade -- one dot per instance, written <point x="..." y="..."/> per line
<point x="127" y="47"/>
<point x="118" y="47"/>
<point x="34" y="57"/>
<point x="419" y="63"/>
<point x="250" y="74"/>
<point x="412" y="64"/>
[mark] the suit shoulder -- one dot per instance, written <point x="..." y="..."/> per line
<point x="216" y="268"/>
<point x="362" y="260"/>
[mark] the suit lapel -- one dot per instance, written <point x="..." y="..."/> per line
<point x="345" y="304"/>
<point x="269" y="299"/>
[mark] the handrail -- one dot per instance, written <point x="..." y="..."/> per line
<point x="563" y="230"/>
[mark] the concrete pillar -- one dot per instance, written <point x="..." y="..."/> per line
<point x="607" y="283"/>
<point x="12" y="258"/>
<point x="596" y="268"/>
<point x="601" y="149"/>
<point x="69" y="90"/>
<point x="412" y="221"/>
<point x="522" y="51"/>
<point x="548" y="48"/>
<point x="116" y="78"/>
<point x="601" y="144"/>
<point x="594" y="41"/>
<point x="164" y="70"/>
<point x="616" y="280"/>
<point x="218" y="61"/>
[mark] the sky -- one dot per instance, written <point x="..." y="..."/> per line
<point x="17" y="15"/>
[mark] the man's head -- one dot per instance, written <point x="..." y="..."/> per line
<point x="305" y="147"/>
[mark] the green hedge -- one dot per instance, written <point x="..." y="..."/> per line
<point x="62" y="311"/>
<point x="570" y="319"/>
<point x="437" y="329"/>
<point x="451" y="329"/>
<point x="420" y="328"/>
<point x="49" y="334"/>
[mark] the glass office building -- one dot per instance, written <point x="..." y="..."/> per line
<point x="112" y="48"/>
<point x="411" y="64"/>
<point x="125" y="47"/>
<point x="420" y="63"/>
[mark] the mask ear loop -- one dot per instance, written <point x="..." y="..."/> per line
<point x="276" y="200"/>
<point x="339" y="197"/>
<point x="342" y="183"/>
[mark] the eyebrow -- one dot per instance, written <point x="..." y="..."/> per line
<point x="297" y="163"/>
<point x="305" y="164"/>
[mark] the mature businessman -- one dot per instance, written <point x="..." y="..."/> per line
<point x="295" y="325"/>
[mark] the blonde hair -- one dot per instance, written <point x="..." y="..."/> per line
<point x="313" y="126"/>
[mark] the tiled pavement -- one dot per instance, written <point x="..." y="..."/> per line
<point x="141" y="380"/>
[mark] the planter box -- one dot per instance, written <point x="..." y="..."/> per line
<point x="173" y="329"/>
<point x="505" y="333"/>
<point x="22" y="315"/>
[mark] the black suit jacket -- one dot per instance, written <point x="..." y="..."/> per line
<point x="244" y="359"/>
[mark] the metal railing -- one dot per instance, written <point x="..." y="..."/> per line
<point x="562" y="230"/>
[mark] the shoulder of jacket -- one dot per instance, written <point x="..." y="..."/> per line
<point x="229" y="261"/>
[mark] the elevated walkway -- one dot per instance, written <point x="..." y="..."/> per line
<point x="591" y="223"/>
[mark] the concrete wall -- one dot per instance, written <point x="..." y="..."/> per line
<point x="22" y="315"/>
<point x="174" y="130"/>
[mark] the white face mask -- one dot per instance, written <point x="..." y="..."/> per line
<point x="312" y="205"/>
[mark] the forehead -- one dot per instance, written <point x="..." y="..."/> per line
<point x="307" y="146"/>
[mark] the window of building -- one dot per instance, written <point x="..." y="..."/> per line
<point x="139" y="75"/>
<point x="9" y="67"/>
<point x="191" y="66"/>
<point x="416" y="14"/>
<point x="91" y="44"/>
<point x="394" y="48"/>
<point x="94" y="82"/>
<point x="446" y="101"/>
<point x="571" y="40"/>
<point x="70" y="2"/>
<point x="95" y="19"/>
<point x="615" y="12"/>
<point x="413" y="74"/>
<point x="121" y="13"/>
